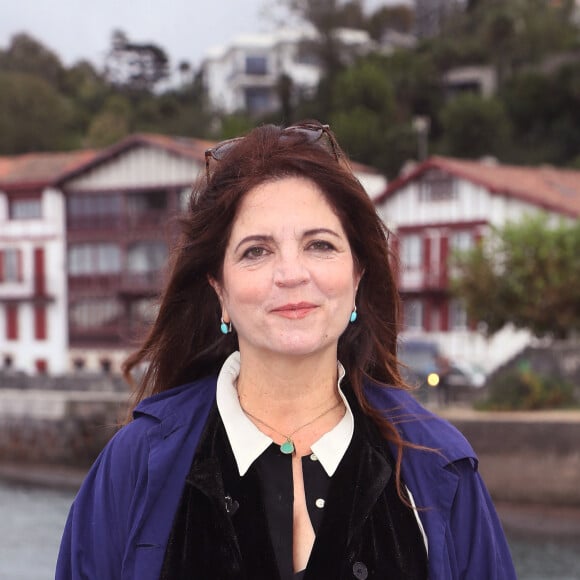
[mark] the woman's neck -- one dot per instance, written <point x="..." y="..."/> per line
<point x="285" y="391"/>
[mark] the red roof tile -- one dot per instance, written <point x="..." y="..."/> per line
<point x="39" y="169"/>
<point x="554" y="189"/>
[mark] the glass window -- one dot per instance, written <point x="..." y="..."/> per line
<point x="413" y="314"/>
<point x="90" y="259"/>
<point x="10" y="265"/>
<point x="437" y="186"/>
<point x="25" y="209"/>
<point x="256" y="65"/>
<point x="96" y="209"/>
<point x="457" y="315"/>
<point x="146" y="256"/>
<point x="411" y="251"/>
<point x="258" y="99"/>
<point x="461" y="240"/>
<point x="95" y="312"/>
<point x="140" y="202"/>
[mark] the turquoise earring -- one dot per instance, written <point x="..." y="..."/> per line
<point x="353" y="314"/>
<point x="225" y="328"/>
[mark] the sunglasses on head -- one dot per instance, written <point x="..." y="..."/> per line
<point x="310" y="132"/>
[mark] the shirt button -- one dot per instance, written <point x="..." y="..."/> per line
<point x="319" y="503"/>
<point x="313" y="457"/>
<point x="360" y="571"/>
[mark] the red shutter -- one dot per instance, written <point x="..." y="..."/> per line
<point x="445" y="315"/>
<point x="426" y="261"/>
<point x="20" y="273"/>
<point x="39" y="272"/>
<point x="41" y="366"/>
<point x="40" y="322"/>
<point x="12" y="322"/>
<point x="444" y="261"/>
<point x="427" y="309"/>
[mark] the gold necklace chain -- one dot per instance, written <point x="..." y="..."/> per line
<point x="288" y="446"/>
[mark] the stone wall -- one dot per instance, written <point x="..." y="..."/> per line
<point x="526" y="457"/>
<point x="531" y="457"/>
<point x="57" y="427"/>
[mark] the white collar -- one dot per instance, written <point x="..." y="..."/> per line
<point x="248" y="442"/>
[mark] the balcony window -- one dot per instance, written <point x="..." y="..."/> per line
<point x="413" y="314"/>
<point x="258" y="100"/>
<point x="411" y="251"/>
<point x="461" y="241"/>
<point x="256" y="65"/>
<point x="25" y="209"/>
<point x="94" y="211"/>
<point x="10" y="265"/>
<point x="437" y="186"/>
<point x="94" y="259"/>
<point x="457" y="315"/>
<point x="146" y="257"/>
<point x="95" y="313"/>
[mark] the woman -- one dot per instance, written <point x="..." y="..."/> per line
<point x="273" y="435"/>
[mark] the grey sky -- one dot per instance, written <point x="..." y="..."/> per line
<point x="77" y="29"/>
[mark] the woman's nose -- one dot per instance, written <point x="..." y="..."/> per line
<point x="290" y="271"/>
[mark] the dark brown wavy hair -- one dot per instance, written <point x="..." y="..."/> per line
<point x="185" y="342"/>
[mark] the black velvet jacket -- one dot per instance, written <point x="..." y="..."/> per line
<point x="221" y="532"/>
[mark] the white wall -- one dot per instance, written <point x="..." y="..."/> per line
<point x="26" y="235"/>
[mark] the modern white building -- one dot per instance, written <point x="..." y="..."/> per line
<point x="444" y="204"/>
<point x="246" y="74"/>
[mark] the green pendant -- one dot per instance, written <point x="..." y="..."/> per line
<point x="287" y="447"/>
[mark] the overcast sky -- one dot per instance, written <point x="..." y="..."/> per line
<point x="186" y="29"/>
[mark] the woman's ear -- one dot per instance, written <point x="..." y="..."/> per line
<point x="216" y="286"/>
<point x="219" y="293"/>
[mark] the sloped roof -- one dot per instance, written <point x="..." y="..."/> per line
<point x="37" y="170"/>
<point x="557" y="190"/>
<point x="182" y="146"/>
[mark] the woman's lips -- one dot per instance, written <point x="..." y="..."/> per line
<point x="294" y="311"/>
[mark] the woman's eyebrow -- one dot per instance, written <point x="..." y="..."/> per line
<point x="317" y="231"/>
<point x="253" y="238"/>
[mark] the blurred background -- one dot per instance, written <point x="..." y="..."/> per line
<point x="462" y="119"/>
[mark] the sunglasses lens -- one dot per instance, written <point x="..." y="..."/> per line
<point x="311" y="134"/>
<point x="222" y="149"/>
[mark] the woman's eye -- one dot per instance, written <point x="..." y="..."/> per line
<point x="255" y="252"/>
<point x="321" y="246"/>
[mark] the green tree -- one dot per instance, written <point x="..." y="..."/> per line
<point x="111" y="124"/>
<point x="33" y="115"/>
<point x="25" y="54"/>
<point x="526" y="274"/>
<point x="474" y="126"/>
<point x="135" y="67"/>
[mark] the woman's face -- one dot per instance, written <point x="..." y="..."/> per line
<point x="289" y="278"/>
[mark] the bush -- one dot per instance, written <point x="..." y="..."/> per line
<point x="525" y="390"/>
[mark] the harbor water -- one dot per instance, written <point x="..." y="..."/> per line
<point x="32" y="520"/>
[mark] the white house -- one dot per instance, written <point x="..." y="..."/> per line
<point x="245" y="75"/>
<point x="445" y="203"/>
<point x="84" y="238"/>
<point x="33" y="292"/>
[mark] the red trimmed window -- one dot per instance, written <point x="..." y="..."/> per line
<point x="40" y="322"/>
<point x="11" y="265"/>
<point x="12" y="322"/>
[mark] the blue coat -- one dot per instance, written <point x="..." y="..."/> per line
<point x="120" y="521"/>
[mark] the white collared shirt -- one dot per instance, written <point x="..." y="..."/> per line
<point x="248" y="442"/>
